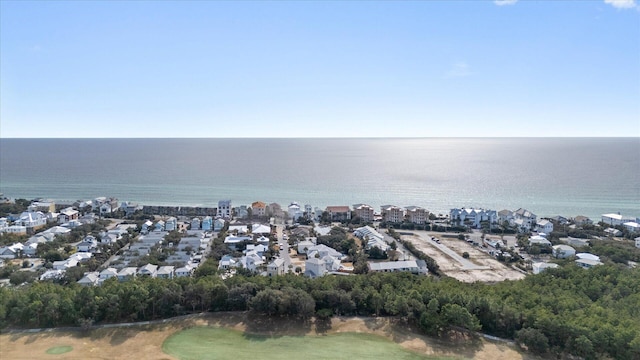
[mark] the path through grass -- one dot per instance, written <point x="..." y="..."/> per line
<point x="220" y="343"/>
<point x="57" y="350"/>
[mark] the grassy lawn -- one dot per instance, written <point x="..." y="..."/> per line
<point x="220" y="343"/>
<point x="57" y="350"/>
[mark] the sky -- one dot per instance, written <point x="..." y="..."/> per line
<point x="319" y="69"/>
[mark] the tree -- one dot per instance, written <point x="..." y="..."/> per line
<point x="533" y="339"/>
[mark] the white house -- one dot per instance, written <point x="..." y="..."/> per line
<point x="632" y="226"/>
<point x="541" y="266"/>
<point x="539" y="240"/>
<point x="527" y="216"/>
<point x="304" y="246"/>
<point x="276" y="267"/>
<point x="165" y="272"/>
<point x="563" y="251"/>
<point x="472" y="217"/>
<point x="314" y="267"/>
<point x="637" y="241"/>
<point x="395" y="266"/>
<point x="184" y="271"/>
<point x="587" y="263"/>
<point x="613" y="232"/>
<point x="226" y="263"/>
<point x="260" y="229"/>
<point x="544" y="226"/>
<point x="88" y="244"/>
<point x="224" y="209"/>
<point x="89" y="279"/>
<point x="127" y="273"/>
<point x="32" y="220"/>
<point x="615" y="219"/>
<point x="218" y="224"/>
<point x="148" y="270"/>
<point x="108" y="273"/>
<point x="295" y="211"/>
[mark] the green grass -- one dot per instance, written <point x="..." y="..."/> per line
<point x="220" y="343"/>
<point x="57" y="350"/>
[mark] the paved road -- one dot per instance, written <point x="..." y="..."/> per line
<point x="284" y="248"/>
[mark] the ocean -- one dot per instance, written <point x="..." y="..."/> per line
<point x="549" y="176"/>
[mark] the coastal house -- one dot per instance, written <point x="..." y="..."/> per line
<point x="338" y="213"/>
<point x="505" y="215"/>
<point x="541" y="266"/>
<point x="64" y="264"/>
<point x="218" y="224"/>
<point x="67" y="215"/>
<point x="108" y="273"/>
<point x="89" y="279"/>
<point x="637" y="240"/>
<point x="150" y="270"/>
<point x="146" y="227"/>
<point x="308" y="212"/>
<point x="391" y="213"/>
<point x="472" y="217"/>
<point x="234" y="241"/>
<point x="323" y="250"/>
<point x="275" y="210"/>
<point x="32" y="220"/>
<point x="616" y="219"/>
<point x="295" y="211"/>
<point x="276" y="267"/>
<point x="185" y="271"/>
<point x="587" y="263"/>
<point x="314" y="267"/>
<point x="159" y="226"/>
<point x="416" y="214"/>
<point x="165" y="272"/>
<point x="106" y="208"/>
<point x="563" y="251"/>
<point x="127" y="273"/>
<point x="544" y="226"/>
<point x="171" y="224"/>
<point x="372" y="237"/>
<point x="242" y="212"/>
<point x="582" y="220"/>
<point x="539" y="240"/>
<point x="227" y="262"/>
<point x="195" y="223"/>
<point x="251" y="261"/>
<point x="4" y="223"/>
<point x="396" y="266"/>
<point x="207" y="223"/>
<point x="12" y="251"/>
<point x="16" y="229"/>
<point x="526" y="216"/>
<point x="613" y="232"/>
<point x="304" y="246"/>
<point x="259" y="209"/>
<point x="364" y="212"/>
<point x="42" y="206"/>
<point x="259" y="229"/>
<point x="88" y="244"/>
<point x="224" y="209"/>
<point x="632" y="226"/>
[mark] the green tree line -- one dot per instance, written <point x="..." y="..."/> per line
<point x="590" y="313"/>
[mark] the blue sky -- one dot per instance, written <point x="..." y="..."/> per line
<point x="319" y="69"/>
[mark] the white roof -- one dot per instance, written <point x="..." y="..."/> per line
<point x="260" y="229"/>
<point x="587" y="256"/>
<point x="564" y="247"/>
<point x="392" y="265"/>
<point x="613" y="216"/>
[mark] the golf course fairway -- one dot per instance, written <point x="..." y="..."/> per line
<point x="209" y="342"/>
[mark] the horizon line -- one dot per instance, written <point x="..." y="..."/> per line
<point x="327" y="137"/>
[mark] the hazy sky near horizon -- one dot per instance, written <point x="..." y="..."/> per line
<point x="319" y="69"/>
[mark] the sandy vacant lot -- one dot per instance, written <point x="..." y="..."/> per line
<point x="145" y="342"/>
<point x="486" y="269"/>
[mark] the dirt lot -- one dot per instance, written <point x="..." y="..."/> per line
<point x="486" y="269"/>
<point x="145" y="342"/>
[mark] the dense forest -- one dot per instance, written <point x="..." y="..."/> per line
<point x="590" y="313"/>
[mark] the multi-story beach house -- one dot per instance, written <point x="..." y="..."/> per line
<point x="339" y="213"/>
<point x="416" y="214"/>
<point x="43" y="206"/>
<point x="528" y="218"/>
<point x="259" y="208"/>
<point x="207" y="223"/>
<point x="392" y="213"/>
<point x="364" y="212"/>
<point x="616" y="219"/>
<point x="224" y="209"/>
<point x="472" y="217"/>
<point x="295" y="211"/>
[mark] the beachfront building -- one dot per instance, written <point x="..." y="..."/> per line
<point x="42" y="206"/>
<point x="637" y="240"/>
<point x="32" y="220"/>
<point x="472" y="217"/>
<point x="224" y="209"/>
<point x="416" y="214"/>
<point x="528" y="219"/>
<point x="544" y="226"/>
<point x="308" y="212"/>
<point x="68" y="214"/>
<point x="372" y="238"/>
<point x="613" y="232"/>
<point x="505" y="215"/>
<point x="339" y="213"/>
<point x="391" y="213"/>
<point x="364" y="212"/>
<point x="632" y="226"/>
<point x="259" y="208"/>
<point x="314" y="267"/>
<point x="582" y="220"/>
<point x="294" y="211"/>
<point x="616" y="219"/>
<point x="195" y="223"/>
